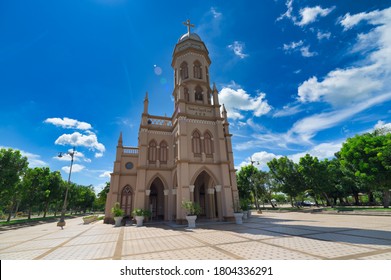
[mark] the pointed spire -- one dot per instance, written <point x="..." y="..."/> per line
<point x="120" y="139"/>
<point x="146" y="103"/>
<point x="224" y="113"/>
<point x="215" y="95"/>
<point x="224" y="110"/>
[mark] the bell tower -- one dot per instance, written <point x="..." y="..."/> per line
<point x="191" y="63"/>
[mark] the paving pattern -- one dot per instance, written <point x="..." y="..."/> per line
<point x="269" y="236"/>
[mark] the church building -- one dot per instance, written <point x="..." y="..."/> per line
<point x="185" y="157"/>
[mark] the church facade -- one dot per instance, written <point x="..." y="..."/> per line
<point x="185" y="157"/>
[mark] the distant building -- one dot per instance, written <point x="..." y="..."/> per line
<point x="187" y="156"/>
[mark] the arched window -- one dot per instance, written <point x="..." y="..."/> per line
<point x="152" y="152"/>
<point x="184" y="70"/>
<point x="126" y="200"/>
<point x="163" y="154"/>
<point x="187" y="98"/>
<point x="196" y="143"/>
<point x="208" y="144"/>
<point x="198" y="93"/>
<point x="197" y="69"/>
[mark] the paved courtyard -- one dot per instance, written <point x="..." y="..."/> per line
<point x="269" y="236"/>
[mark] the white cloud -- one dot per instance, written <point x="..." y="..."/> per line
<point x="348" y="21"/>
<point x="298" y="46"/>
<point x="381" y="125"/>
<point x="238" y="100"/>
<point x="260" y="160"/>
<point x="75" y="168"/>
<point x="342" y="86"/>
<point x="78" y="156"/>
<point x="304" y="129"/>
<point x="305" y="51"/>
<point x="287" y="111"/>
<point x="288" y="14"/>
<point x="238" y="49"/>
<point x="77" y="139"/>
<point x="34" y="159"/>
<point x="105" y="174"/>
<point x="293" y="45"/>
<point x="368" y="78"/>
<point x="68" y="123"/>
<point x="321" y="151"/>
<point x="215" y="13"/>
<point x="323" y="35"/>
<point x="309" y="15"/>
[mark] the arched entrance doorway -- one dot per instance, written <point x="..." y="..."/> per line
<point x="205" y="195"/>
<point x="127" y="200"/>
<point x="156" y="200"/>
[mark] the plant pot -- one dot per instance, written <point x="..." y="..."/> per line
<point x="245" y="215"/>
<point x="238" y="218"/>
<point x="139" y="220"/>
<point x="191" y="221"/>
<point x="118" y="221"/>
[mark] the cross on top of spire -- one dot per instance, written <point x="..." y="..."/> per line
<point x="189" y="25"/>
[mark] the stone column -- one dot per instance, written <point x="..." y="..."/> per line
<point x="174" y="202"/>
<point x="166" y="205"/>
<point x="191" y="188"/>
<point x="211" y="199"/>
<point x="147" y="193"/>
<point x="219" y="204"/>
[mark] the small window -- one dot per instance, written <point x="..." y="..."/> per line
<point x="152" y="152"/>
<point x="184" y="71"/>
<point x="197" y="69"/>
<point x="163" y="152"/>
<point x="196" y="143"/>
<point x="198" y="94"/>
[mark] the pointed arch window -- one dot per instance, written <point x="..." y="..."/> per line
<point x="163" y="153"/>
<point x="126" y="200"/>
<point x="184" y="70"/>
<point x="187" y="97"/>
<point x="196" y="143"/>
<point x="198" y="93"/>
<point x="208" y="144"/>
<point x="197" y="70"/>
<point x="152" y="151"/>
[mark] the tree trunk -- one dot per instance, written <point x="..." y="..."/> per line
<point x="356" y="199"/>
<point x="371" y="198"/>
<point x="386" y="198"/>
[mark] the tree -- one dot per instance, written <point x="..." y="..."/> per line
<point x="316" y="177"/>
<point x="251" y="183"/>
<point x="285" y="174"/>
<point x="367" y="156"/>
<point x="101" y="199"/>
<point x="36" y="183"/>
<point x="53" y="191"/>
<point x="12" y="168"/>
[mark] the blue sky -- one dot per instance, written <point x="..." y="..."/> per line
<point x="295" y="76"/>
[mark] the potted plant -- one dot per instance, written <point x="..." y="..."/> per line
<point x="238" y="214"/>
<point x="192" y="210"/>
<point x="118" y="214"/>
<point x="139" y="215"/>
<point x="244" y="207"/>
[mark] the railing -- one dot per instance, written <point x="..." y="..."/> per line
<point x="162" y="121"/>
<point x="130" y="151"/>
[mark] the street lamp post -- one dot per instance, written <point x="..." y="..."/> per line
<point x="253" y="183"/>
<point x="61" y="223"/>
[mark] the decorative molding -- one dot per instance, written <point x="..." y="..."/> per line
<point x="147" y="192"/>
<point x="166" y="192"/>
<point x="191" y="187"/>
<point x="211" y="191"/>
<point x="218" y="188"/>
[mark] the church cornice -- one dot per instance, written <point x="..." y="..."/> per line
<point x="190" y="50"/>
